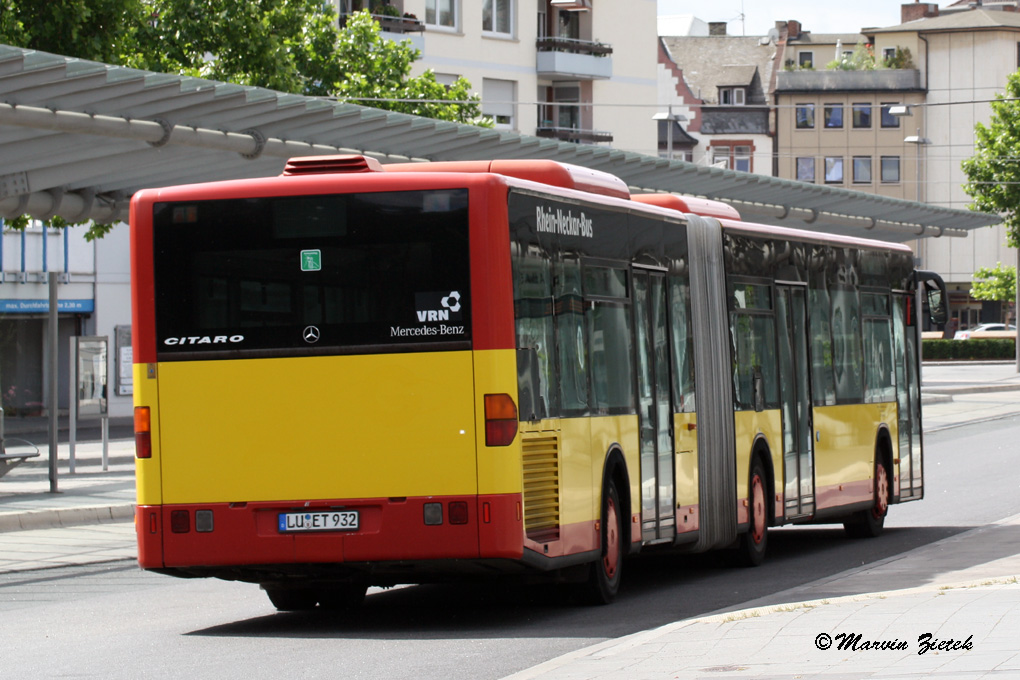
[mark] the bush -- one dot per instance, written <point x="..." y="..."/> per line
<point x="964" y="350"/>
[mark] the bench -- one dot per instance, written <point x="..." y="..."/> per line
<point x="9" y="461"/>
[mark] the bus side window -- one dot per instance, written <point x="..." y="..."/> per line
<point x="822" y="379"/>
<point x="846" y="345"/>
<point x="571" y="343"/>
<point x="534" y="323"/>
<point x="752" y="329"/>
<point x="683" y="344"/>
<point x="610" y="336"/>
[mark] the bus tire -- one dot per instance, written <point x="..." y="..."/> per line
<point x="869" y="523"/>
<point x="291" y="599"/>
<point x="753" y="543"/>
<point x="603" y="582"/>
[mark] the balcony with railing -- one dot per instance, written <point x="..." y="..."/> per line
<point x="573" y="59"/>
<point x="390" y="23"/>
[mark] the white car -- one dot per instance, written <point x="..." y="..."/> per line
<point x="980" y="328"/>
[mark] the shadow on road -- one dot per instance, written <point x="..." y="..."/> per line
<point x="658" y="589"/>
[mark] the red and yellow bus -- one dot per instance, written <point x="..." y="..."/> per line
<point x="355" y="374"/>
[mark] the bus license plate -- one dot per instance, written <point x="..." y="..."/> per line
<point x="333" y="520"/>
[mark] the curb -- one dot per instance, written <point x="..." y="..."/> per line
<point x="615" y="646"/>
<point x="66" y="517"/>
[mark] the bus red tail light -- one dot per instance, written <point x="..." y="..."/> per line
<point x="143" y="436"/>
<point x="500" y="420"/>
<point x="458" y="512"/>
<point x="180" y="521"/>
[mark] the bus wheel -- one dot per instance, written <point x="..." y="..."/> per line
<point x="291" y="599"/>
<point x="753" y="543"/>
<point x="869" y="523"/>
<point x="603" y="581"/>
<point x="342" y="596"/>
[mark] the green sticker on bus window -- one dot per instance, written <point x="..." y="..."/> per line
<point x="311" y="260"/>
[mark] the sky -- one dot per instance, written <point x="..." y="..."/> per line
<point x="817" y="16"/>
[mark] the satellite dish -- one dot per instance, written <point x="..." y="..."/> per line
<point x="771" y="36"/>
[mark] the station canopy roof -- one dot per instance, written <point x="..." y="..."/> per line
<point x="77" y="138"/>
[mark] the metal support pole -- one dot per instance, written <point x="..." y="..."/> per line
<point x="72" y="403"/>
<point x="669" y="134"/>
<point x="106" y="443"/>
<point x="53" y="332"/>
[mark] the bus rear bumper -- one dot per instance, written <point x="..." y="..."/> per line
<point x="389" y="530"/>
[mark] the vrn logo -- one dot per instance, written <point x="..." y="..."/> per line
<point x="437" y="306"/>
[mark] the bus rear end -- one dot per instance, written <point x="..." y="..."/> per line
<point x="321" y="398"/>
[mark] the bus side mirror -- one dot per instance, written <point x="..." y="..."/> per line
<point x="936" y="296"/>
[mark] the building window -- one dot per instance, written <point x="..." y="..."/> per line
<point x="862" y="169"/>
<point x="805" y="59"/>
<point x="862" y="116"/>
<point x="498" y="16"/>
<point x="742" y="158"/>
<point x="732" y="96"/>
<point x="889" y="120"/>
<point x="806" y="169"/>
<point x="833" y="114"/>
<point x="441" y="13"/>
<point x="890" y="169"/>
<point x="805" y="116"/>
<point x="833" y="169"/>
<point x="498" y="97"/>
<point x="735" y="157"/>
<point x="888" y="54"/>
<point x="447" y="80"/>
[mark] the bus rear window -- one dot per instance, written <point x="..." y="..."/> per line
<point x="284" y="276"/>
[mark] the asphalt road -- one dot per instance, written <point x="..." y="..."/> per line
<point x="115" y="621"/>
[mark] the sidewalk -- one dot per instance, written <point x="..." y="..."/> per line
<point x="963" y="590"/>
<point x="89" y="519"/>
<point x="969" y="613"/>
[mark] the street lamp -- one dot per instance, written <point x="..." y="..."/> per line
<point x="671" y="119"/>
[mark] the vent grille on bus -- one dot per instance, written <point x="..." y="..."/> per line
<point x="321" y="165"/>
<point x="541" y="485"/>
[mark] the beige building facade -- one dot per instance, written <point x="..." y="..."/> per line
<point x="964" y="55"/>
<point x="573" y="70"/>
<point x="846" y="129"/>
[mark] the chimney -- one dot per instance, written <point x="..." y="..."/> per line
<point x="793" y="29"/>
<point x="918" y="10"/>
<point x="717" y="28"/>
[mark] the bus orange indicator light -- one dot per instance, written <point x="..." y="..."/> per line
<point x="500" y="420"/>
<point x="486" y="512"/>
<point x="143" y="436"/>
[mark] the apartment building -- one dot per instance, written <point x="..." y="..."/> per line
<point x="573" y="70"/>
<point x="900" y="129"/>
<point x="963" y="54"/>
<point x="715" y="90"/>
<point x="846" y="129"/>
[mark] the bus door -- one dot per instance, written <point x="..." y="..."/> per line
<point x="655" y="411"/>
<point x="908" y="397"/>
<point x="795" y="381"/>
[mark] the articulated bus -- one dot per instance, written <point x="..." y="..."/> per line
<point x="358" y="375"/>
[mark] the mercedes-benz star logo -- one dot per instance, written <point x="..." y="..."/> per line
<point x="311" y="334"/>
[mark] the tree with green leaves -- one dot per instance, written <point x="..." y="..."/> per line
<point x="293" y="46"/>
<point x="996" y="283"/>
<point x="993" y="172"/>
<point x="366" y="68"/>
